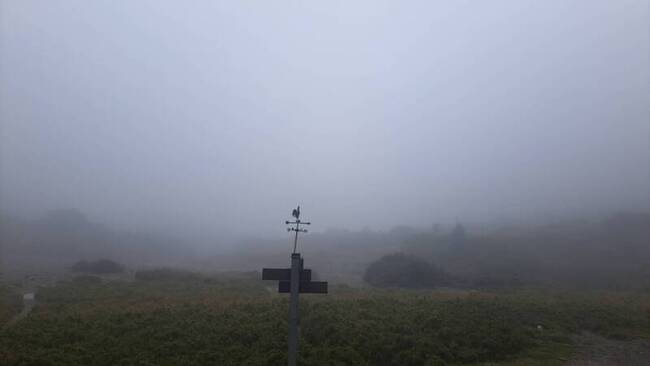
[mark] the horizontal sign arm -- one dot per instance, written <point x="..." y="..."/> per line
<point x="284" y="274"/>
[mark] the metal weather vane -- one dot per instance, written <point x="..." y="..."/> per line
<point x="296" y="214"/>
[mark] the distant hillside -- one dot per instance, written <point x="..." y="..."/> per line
<point x="62" y="237"/>
<point x="613" y="252"/>
<point x="610" y="253"/>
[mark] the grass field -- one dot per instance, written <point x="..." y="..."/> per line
<point x="213" y="321"/>
<point x="10" y="303"/>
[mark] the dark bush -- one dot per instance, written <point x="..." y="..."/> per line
<point x="401" y="270"/>
<point x="102" y="266"/>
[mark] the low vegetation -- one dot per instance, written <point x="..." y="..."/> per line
<point x="10" y="303"/>
<point x="241" y="322"/>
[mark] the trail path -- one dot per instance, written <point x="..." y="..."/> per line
<point x="594" y="350"/>
<point x="28" y="305"/>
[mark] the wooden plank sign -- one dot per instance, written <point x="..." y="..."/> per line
<point x="306" y="287"/>
<point x="284" y="274"/>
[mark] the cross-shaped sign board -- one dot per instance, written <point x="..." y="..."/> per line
<point x="307" y="286"/>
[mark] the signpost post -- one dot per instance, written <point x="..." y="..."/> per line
<point x="294" y="280"/>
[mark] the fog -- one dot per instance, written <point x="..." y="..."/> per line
<point x="215" y="119"/>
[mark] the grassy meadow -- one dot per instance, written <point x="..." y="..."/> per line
<point x="198" y="320"/>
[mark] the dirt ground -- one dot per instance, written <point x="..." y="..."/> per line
<point x="594" y="350"/>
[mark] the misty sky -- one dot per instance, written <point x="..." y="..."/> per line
<point x="218" y="116"/>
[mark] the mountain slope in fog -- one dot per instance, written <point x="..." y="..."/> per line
<point x="62" y="237"/>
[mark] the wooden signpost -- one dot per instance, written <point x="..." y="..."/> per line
<point x="294" y="280"/>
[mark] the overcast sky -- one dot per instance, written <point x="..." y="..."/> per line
<point x="221" y="116"/>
